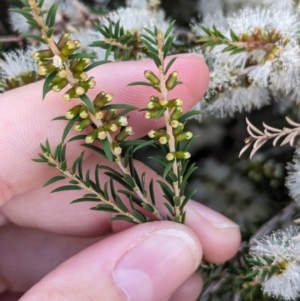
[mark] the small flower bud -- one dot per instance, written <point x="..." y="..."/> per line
<point x="69" y="48"/>
<point x="121" y="121"/>
<point x="151" y="114"/>
<point x="82" y="124"/>
<point x="72" y="113"/>
<point x="110" y="115"/>
<point x="42" y="54"/>
<point x="117" y="150"/>
<point x="171" y="81"/>
<point x="62" y="73"/>
<point x="182" y="155"/>
<point x="170" y="156"/>
<point x="92" y="136"/>
<point x="57" y="62"/>
<point x="110" y="127"/>
<point x="153" y="79"/>
<point x="63" y="40"/>
<point x="124" y="134"/>
<point x="84" y="112"/>
<point x="183" y="136"/>
<point x="154" y="105"/>
<point x="176" y="113"/>
<point x="102" y="99"/>
<point x="71" y="93"/>
<point x="174" y="123"/>
<point x="99" y="115"/>
<point x="177" y="102"/>
<point x="80" y="75"/>
<point x="46" y="69"/>
<point x="102" y="134"/>
<point x="79" y="67"/>
<point x="179" y="129"/>
<point x="164" y="139"/>
<point x="163" y="102"/>
<point x="80" y="90"/>
<point x="156" y="134"/>
<point x="59" y="86"/>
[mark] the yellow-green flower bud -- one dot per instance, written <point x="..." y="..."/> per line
<point x="63" y="40"/>
<point x="92" y="136"/>
<point x="164" y="139"/>
<point x="46" y="69"/>
<point x="82" y="124"/>
<point x="110" y="127"/>
<point x="156" y="134"/>
<point x="42" y="54"/>
<point x="178" y="155"/>
<point x="80" y="90"/>
<point x="102" y="134"/>
<point x="154" y="105"/>
<point x="151" y="114"/>
<point x="163" y="102"/>
<point x="60" y="85"/>
<point x="174" y="123"/>
<point x="179" y="129"/>
<point x="79" y="67"/>
<point x="124" y="134"/>
<point x="69" y="48"/>
<point x="99" y="115"/>
<point x="102" y="99"/>
<point x="176" y="113"/>
<point x="62" y="73"/>
<point x="28" y="77"/>
<point x="110" y="115"/>
<point x="80" y="75"/>
<point x="117" y="150"/>
<point x="84" y="112"/>
<point x="121" y="121"/>
<point x="177" y="102"/>
<point x="153" y="79"/>
<point x="170" y="156"/>
<point x="183" y="136"/>
<point x="171" y="81"/>
<point x="72" y="113"/>
<point x="71" y="93"/>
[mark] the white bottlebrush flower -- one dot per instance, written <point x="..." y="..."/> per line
<point x="143" y="4"/>
<point x="86" y="37"/>
<point x="135" y="20"/>
<point x="282" y="249"/>
<point x="293" y="178"/>
<point x="16" y="64"/>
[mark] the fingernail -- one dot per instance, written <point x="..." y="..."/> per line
<point x="216" y="219"/>
<point x="159" y="264"/>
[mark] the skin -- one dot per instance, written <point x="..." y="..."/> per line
<point x="51" y="250"/>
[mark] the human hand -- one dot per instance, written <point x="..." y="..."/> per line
<point x="74" y="248"/>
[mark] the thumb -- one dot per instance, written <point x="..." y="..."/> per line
<point x="147" y="262"/>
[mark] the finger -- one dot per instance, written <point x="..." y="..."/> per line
<point x="28" y="123"/>
<point x="189" y="290"/>
<point x="27" y="255"/>
<point x="147" y="262"/>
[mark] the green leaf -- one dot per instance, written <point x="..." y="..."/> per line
<point x="140" y="84"/>
<point x="138" y="215"/>
<point x="108" y="153"/>
<point x="149" y="46"/>
<point x="149" y="39"/>
<point x="130" y="181"/>
<point x="150" y="32"/>
<point x="33" y="37"/>
<point x="168" y="168"/>
<point x="119" y="106"/>
<point x="22" y="12"/>
<point x="151" y="190"/>
<point x="132" y="197"/>
<point x="60" y="118"/>
<point x="119" y="180"/>
<point x="108" y="51"/>
<point x="88" y="103"/>
<point x="54" y="179"/>
<point x="47" y="83"/>
<point x="167" y="191"/>
<point x="50" y="32"/>
<point x="85" y="200"/>
<point x="33" y="24"/>
<point x="105" y="207"/>
<point x="78" y="137"/>
<point x="144" y="144"/>
<point x="42" y="159"/>
<point x="170" y="64"/>
<point x="82" y="55"/>
<point x="94" y="148"/>
<point x="155" y="58"/>
<point x="189" y="115"/>
<point x="87" y="178"/>
<point x="66" y="188"/>
<point x="123" y="218"/>
<point x="40" y="3"/>
<point x="170" y="208"/>
<point x="187" y="198"/>
<point x="68" y="127"/>
<point x="191" y="169"/>
<point x="77" y="162"/>
<point x="169" y="29"/>
<point x="120" y="204"/>
<point x="50" y="20"/>
<point x="111" y="170"/>
<point x="168" y="45"/>
<point x="96" y="64"/>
